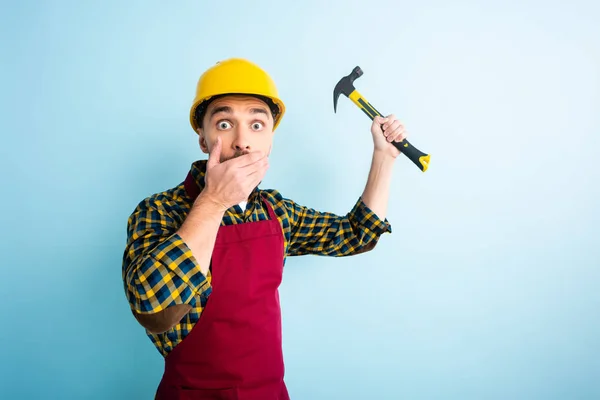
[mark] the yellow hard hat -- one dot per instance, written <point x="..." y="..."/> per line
<point x="236" y="76"/>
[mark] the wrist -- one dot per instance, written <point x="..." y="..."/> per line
<point x="205" y="212"/>
<point x="210" y="203"/>
<point x="383" y="156"/>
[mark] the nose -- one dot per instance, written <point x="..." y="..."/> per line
<point x="241" y="142"/>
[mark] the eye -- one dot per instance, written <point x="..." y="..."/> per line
<point x="224" y="125"/>
<point x="257" y="126"/>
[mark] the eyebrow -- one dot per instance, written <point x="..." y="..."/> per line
<point x="259" y="111"/>
<point x="224" y="109"/>
<point x="229" y="110"/>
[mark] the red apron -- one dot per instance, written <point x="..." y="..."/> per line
<point x="234" y="352"/>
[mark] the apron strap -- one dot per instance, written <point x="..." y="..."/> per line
<point x="191" y="188"/>
<point x="272" y="214"/>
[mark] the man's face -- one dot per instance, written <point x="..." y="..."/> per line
<point x="244" y="123"/>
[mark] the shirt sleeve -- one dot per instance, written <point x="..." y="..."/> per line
<point x="159" y="269"/>
<point x="328" y="234"/>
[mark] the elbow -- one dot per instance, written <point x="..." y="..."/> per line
<point x="162" y="321"/>
<point x="365" y="248"/>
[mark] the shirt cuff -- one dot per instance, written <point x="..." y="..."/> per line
<point x="176" y="256"/>
<point x="364" y="216"/>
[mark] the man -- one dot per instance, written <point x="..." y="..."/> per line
<point x="204" y="260"/>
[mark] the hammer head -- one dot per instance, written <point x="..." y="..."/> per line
<point x="346" y="85"/>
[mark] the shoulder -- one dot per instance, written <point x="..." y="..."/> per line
<point x="165" y="204"/>
<point x="276" y="199"/>
<point x="283" y="206"/>
<point x="273" y="196"/>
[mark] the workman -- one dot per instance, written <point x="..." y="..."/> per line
<point x="204" y="260"/>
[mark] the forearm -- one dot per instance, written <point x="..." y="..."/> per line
<point x="377" y="189"/>
<point x="199" y="230"/>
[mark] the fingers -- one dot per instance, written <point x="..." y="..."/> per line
<point x="387" y="122"/>
<point x="393" y="129"/>
<point x="259" y="165"/>
<point x="248" y="159"/>
<point x="256" y="173"/>
<point x="378" y="124"/>
<point x="215" y="154"/>
<point x="395" y="133"/>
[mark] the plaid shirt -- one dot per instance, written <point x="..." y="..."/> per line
<point x="159" y="269"/>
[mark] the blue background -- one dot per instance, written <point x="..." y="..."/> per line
<point x="488" y="286"/>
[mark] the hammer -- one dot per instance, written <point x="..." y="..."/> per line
<point x="346" y="87"/>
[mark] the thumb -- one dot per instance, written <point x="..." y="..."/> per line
<point x="377" y="125"/>
<point x="381" y="120"/>
<point x="214" y="157"/>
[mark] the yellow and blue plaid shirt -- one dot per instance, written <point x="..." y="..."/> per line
<point x="159" y="269"/>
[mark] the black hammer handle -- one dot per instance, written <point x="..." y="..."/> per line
<point x="420" y="159"/>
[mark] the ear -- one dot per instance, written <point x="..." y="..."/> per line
<point x="202" y="141"/>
